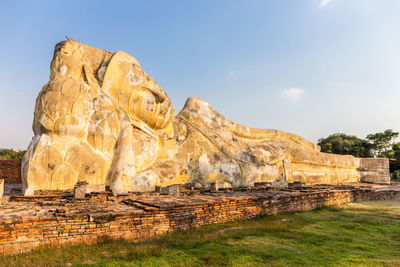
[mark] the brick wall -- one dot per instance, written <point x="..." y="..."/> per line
<point x="60" y="226"/>
<point x="375" y="170"/>
<point x="10" y="171"/>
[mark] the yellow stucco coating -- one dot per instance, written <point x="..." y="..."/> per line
<point x="102" y="119"/>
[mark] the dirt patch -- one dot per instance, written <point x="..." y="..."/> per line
<point x="380" y="206"/>
<point x="227" y="230"/>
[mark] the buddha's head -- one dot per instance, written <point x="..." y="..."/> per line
<point x="79" y="115"/>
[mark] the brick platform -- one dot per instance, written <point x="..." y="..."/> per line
<point x="38" y="221"/>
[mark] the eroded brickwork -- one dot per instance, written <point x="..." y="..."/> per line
<point x="10" y="171"/>
<point x="58" y="221"/>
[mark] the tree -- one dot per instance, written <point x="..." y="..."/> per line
<point x="382" y="143"/>
<point x="395" y="159"/>
<point x="344" y="144"/>
<point x="6" y="153"/>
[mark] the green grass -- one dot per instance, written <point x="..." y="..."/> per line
<point x="366" y="234"/>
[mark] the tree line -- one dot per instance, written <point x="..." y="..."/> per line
<point x="6" y="153"/>
<point x="377" y="145"/>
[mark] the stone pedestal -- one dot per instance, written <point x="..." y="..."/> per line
<point x="172" y="190"/>
<point x="217" y="185"/>
<point x="80" y="190"/>
<point x="30" y="191"/>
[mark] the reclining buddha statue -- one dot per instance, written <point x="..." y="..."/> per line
<point x="101" y="119"/>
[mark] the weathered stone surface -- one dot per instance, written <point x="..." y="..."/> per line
<point x="80" y="191"/>
<point x="375" y="170"/>
<point x="29" y="191"/>
<point x="103" y="120"/>
<point x="215" y="186"/>
<point x="172" y="190"/>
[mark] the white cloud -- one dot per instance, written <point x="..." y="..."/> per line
<point x="324" y="3"/>
<point x="293" y="94"/>
<point x="232" y="74"/>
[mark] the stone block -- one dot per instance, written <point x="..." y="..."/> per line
<point x="29" y="191"/>
<point x="80" y="190"/>
<point x="188" y="186"/>
<point x="280" y="182"/>
<point x="172" y="190"/>
<point x="214" y="186"/>
<point x="218" y="184"/>
<point x="198" y="186"/>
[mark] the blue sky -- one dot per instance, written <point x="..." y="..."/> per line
<point x="311" y="67"/>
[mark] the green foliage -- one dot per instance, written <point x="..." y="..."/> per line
<point x="395" y="161"/>
<point x="364" y="234"/>
<point x="396" y="150"/>
<point x="396" y="175"/>
<point x="384" y="146"/>
<point x="344" y="144"/>
<point x="382" y="143"/>
<point x="375" y="145"/>
<point x="6" y="153"/>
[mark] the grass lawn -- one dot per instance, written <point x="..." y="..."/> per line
<point x="358" y="234"/>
